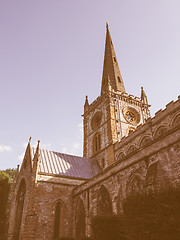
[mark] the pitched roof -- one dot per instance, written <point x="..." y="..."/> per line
<point x="67" y="165"/>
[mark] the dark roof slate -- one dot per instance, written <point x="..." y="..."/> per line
<point x="67" y="165"/>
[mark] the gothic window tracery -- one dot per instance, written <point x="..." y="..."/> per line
<point x="135" y="184"/>
<point x="151" y="174"/>
<point x="96" y="121"/>
<point x="131" y="115"/>
<point x="104" y="204"/>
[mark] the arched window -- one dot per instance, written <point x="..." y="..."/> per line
<point x="176" y="121"/>
<point x="80" y="221"/>
<point x="135" y="184"/>
<point x="104" y="204"/>
<point x="19" y="209"/>
<point x="97" y="142"/>
<point x="96" y="121"/>
<point x="59" y="221"/>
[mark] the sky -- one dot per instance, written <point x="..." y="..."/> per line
<point x="51" y="57"/>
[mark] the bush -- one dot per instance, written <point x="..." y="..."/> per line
<point x="109" y="227"/>
<point x="4" y="193"/>
<point x="6" y="180"/>
<point x="154" y="215"/>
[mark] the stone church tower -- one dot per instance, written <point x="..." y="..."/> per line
<point x="56" y="195"/>
<point x="114" y="114"/>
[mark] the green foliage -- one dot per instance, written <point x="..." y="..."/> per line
<point x="111" y="227"/>
<point x="6" y="180"/>
<point x="4" y="193"/>
<point x="8" y="173"/>
<point x="154" y="215"/>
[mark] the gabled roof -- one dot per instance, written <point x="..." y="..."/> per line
<point x="67" y="165"/>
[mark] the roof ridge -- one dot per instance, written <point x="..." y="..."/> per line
<point x="68" y="154"/>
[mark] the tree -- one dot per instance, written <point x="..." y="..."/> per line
<point x="154" y="215"/>
<point x="109" y="227"/>
<point x="6" y="179"/>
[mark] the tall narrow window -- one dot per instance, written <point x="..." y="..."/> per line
<point x="97" y="142"/>
<point x="58" y="223"/>
<point x="104" y="204"/>
<point x="19" y="209"/>
<point x="80" y="221"/>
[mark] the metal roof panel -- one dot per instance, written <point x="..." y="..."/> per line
<point x="67" y="165"/>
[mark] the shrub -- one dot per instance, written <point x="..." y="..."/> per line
<point x="154" y="214"/>
<point x="109" y="227"/>
<point x="4" y="193"/>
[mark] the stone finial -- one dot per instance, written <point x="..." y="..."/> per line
<point x="18" y="167"/>
<point x="30" y="139"/>
<point x="86" y="102"/>
<point x="38" y="145"/>
<point x="143" y="96"/>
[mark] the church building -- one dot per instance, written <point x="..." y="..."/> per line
<point x="56" y="194"/>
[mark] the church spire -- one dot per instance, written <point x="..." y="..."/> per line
<point x="111" y="68"/>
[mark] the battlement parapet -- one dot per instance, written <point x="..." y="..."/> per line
<point x="154" y="128"/>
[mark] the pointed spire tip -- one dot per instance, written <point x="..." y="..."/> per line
<point x="107" y="25"/>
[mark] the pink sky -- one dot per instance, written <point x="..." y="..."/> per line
<point x="51" y="56"/>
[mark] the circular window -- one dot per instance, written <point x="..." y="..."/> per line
<point x="96" y="121"/>
<point x="131" y="115"/>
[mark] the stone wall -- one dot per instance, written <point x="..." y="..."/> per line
<point x="25" y="175"/>
<point x="49" y="191"/>
<point x="148" y="157"/>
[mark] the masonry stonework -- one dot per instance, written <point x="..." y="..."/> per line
<point x="125" y="150"/>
